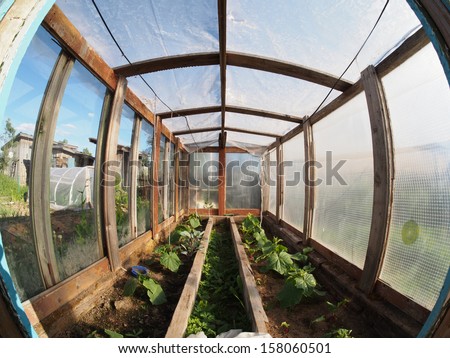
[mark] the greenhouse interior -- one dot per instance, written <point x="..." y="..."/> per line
<point x="249" y="168"/>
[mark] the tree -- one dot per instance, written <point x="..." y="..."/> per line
<point x="6" y="139"/>
<point x="87" y="151"/>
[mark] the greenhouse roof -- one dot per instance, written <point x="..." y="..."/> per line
<point x="251" y="68"/>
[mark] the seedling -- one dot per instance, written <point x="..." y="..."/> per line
<point x="155" y="292"/>
<point x="339" y="333"/>
<point x="284" y="327"/>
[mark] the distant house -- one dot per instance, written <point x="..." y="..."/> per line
<point x="64" y="156"/>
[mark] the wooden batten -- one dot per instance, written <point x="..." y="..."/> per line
<point x="252" y="299"/>
<point x="186" y="303"/>
<point x="280" y="183"/>
<point x="176" y="178"/>
<point x="222" y="182"/>
<point x="132" y="208"/>
<point x="40" y="173"/>
<point x="310" y="179"/>
<point x="156" y="150"/>
<point x="109" y="174"/>
<point x="383" y="162"/>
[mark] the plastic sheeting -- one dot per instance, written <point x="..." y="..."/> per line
<point x="418" y="249"/>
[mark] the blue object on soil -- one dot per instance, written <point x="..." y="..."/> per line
<point x="139" y="270"/>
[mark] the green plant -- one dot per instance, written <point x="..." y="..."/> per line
<point x="250" y="225"/>
<point x="169" y="258"/>
<point x="299" y="284"/>
<point x="333" y="309"/>
<point x="285" y="327"/>
<point x="339" y="333"/>
<point x="155" y="292"/>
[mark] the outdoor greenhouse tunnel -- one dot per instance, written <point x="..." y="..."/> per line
<point x="323" y="124"/>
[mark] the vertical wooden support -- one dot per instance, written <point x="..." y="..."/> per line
<point x="134" y="164"/>
<point x="310" y="180"/>
<point x="265" y="182"/>
<point x="383" y="163"/>
<point x="100" y="152"/>
<point x="222" y="181"/>
<point x="177" y="179"/>
<point x="40" y="169"/>
<point x="155" y="182"/>
<point x="110" y="170"/>
<point x="280" y="179"/>
<point x="166" y="172"/>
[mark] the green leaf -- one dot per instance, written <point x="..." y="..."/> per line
<point x="171" y="261"/>
<point x="155" y="292"/>
<point x="130" y="287"/>
<point x="305" y="281"/>
<point x="194" y="222"/>
<point x="279" y="262"/>
<point x="299" y="256"/>
<point x="318" y="319"/>
<point x="185" y="234"/>
<point x="410" y="232"/>
<point x="307" y="250"/>
<point x="289" y="295"/>
<point x="113" y="334"/>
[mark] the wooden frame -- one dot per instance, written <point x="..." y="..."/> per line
<point x="134" y="160"/>
<point x="232" y="109"/>
<point x="213" y="129"/>
<point x="222" y="12"/>
<point x="40" y="172"/>
<point x="176" y="178"/>
<point x="156" y="150"/>
<point x="383" y="162"/>
<point x="222" y="194"/>
<point x="310" y="179"/>
<point x="253" y="302"/>
<point x="108" y="183"/>
<point x="186" y="302"/>
<point x="280" y="183"/>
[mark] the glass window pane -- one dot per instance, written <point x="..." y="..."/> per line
<point x="72" y="173"/>
<point x="243" y="189"/>
<point x="418" y="250"/>
<point x="145" y="179"/>
<point x="273" y="182"/>
<point x="344" y="197"/>
<point x="204" y="181"/>
<point x="16" y="142"/>
<point x="122" y="187"/>
<point x="294" y="188"/>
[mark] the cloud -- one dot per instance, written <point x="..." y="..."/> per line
<point x="26" y="128"/>
<point x="91" y="114"/>
<point x="71" y="126"/>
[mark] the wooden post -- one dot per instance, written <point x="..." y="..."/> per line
<point x="134" y="161"/>
<point x="222" y="181"/>
<point x="310" y="178"/>
<point x="176" y="175"/>
<point x="109" y="174"/>
<point x="166" y="171"/>
<point x="40" y="169"/>
<point x="265" y="182"/>
<point x="280" y="184"/>
<point x="156" y="149"/>
<point x="383" y="164"/>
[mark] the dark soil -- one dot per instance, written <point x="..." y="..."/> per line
<point x="133" y="316"/>
<point x="299" y="318"/>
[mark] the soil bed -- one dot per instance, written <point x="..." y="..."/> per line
<point x="312" y="317"/>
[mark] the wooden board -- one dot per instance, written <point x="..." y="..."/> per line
<point x="186" y="303"/>
<point x="222" y="194"/>
<point x="253" y="302"/>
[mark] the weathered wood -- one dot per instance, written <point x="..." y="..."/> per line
<point x="155" y="181"/>
<point x="406" y="50"/>
<point x="287" y="69"/>
<point x="199" y="130"/>
<point x="254" y="212"/>
<point x="45" y="303"/>
<point x="186" y="302"/>
<point x="252" y="299"/>
<point x="383" y="168"/>
<point x="109" y="173"/>
<point x="216" y="150"/>
<point x="222" y="16"/>
<point x="40" y="170"/>
<point x="233" y="59"/>
<point x="280" y="183"/>
<point x="222" y="181"/>
<point x="232" y="109"/>
<point x="134" y="160"/>
<point x="213" y="129"/>
<point x="166" y="169"/>
<point x="168" y="63"/>
<point x="264" y="134"/>
<point x="176" y="178"/>
<point x="143" y="243"/>
<point x="310" y="178"/>
<point x="64" y="31"/>
<point x="265" y="190"/>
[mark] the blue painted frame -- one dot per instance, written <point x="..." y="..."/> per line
<point x="4" y="95"/>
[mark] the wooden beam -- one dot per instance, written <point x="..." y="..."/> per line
<point x="264" y="134"/>
<point x="166" y="184"/>
<point x="199" y="130"/>
<point x="383" y="168"/>
<point x="286" y="69"/>
<point x="310" y="178"/>
<point x="156" y="150"/>
<point x="40" y="170"/>
<point x="189" y="112"/>
<point x="168" y="63"/>
<point x="186" y="302"/>
<point x="252" y="299"/>
<point x="109" y="174"/>
<point x="265" y="183"/>
<point x="63" y="30"/>
<point x="176" y="178"/>
<point x="222" y="16"/>
<point x="222" y="194"/>
<point x="279" y="191"/>
<point x="134" y="160"/>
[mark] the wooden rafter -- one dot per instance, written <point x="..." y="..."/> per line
<point x="213" y="129"/>
<point x="233" y="109"/>
<point x="222" y="9"/>
<point x="233" y="59"/>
